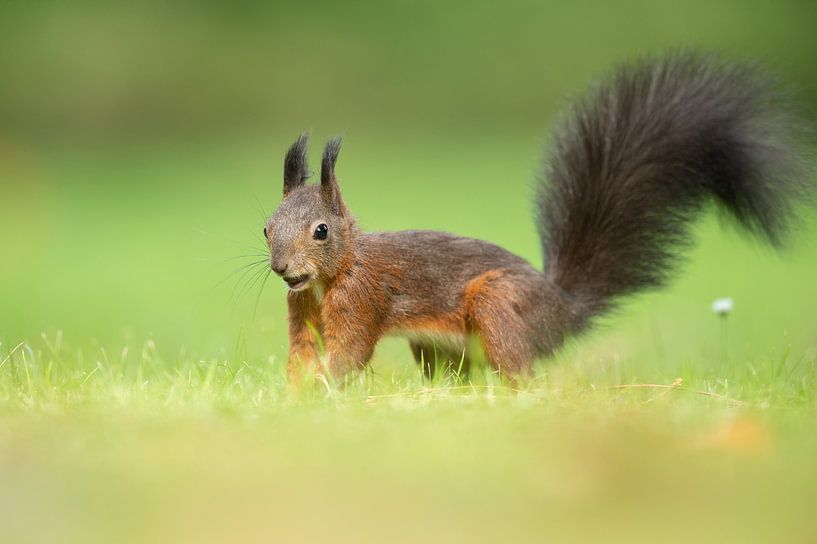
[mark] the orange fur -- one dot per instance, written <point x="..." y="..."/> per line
<point x="304" y="316"/>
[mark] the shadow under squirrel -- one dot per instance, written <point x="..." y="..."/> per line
<point x="629" y="167"/>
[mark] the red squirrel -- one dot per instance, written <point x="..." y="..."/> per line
<point x="629" y="167"/>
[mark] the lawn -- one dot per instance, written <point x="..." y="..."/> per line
<point x="142" y="393"/>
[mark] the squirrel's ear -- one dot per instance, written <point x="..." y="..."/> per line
<point x="296" y="169"/>
<point x="329" y="182"/>
<point x="330" y="157"/>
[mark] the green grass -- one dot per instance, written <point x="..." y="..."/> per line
<point x="140" y="402"/>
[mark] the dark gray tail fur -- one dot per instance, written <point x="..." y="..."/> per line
<point x="639" y="157"/>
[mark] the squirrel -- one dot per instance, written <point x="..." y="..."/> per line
<point x="630" y="166"/>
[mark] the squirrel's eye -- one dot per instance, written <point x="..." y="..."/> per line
<point x="321" y="232"/>
<point x="265" y="232"/>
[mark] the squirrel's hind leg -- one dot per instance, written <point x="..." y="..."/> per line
<point x="500" y="305"/>
<point x="431" y="357"/>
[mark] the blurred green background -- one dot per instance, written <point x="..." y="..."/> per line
<point x="141" y="387"/>
<point x="141" y="143"/>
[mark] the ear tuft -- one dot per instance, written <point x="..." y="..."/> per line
<point x="330" y="157"/>
<point x="296" y="168"/>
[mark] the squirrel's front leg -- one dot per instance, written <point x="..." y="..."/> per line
<point x="350" y="331"/>
<point x="304" y="322"/>
<point x="345" y="353"/>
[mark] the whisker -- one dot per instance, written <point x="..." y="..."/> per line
<point x="223" y="237"/>
<point x="256" y="280"/>
<point x="260" y="290"/>
<point x="248" y="286"/>
<point x="246" y="256"/>
<point x="258" y="237"/>
<point x="234" y="258"/>
<point x="244" y="278"/>
<point x="260" y="205"/>
<point x="239" y="269"/>
<point x="254" y="273"/>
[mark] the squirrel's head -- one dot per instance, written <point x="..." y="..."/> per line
<point x="310" y="234"/>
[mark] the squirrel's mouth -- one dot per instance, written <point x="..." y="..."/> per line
<point x="296" y="283"/>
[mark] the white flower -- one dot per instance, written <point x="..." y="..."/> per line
<point x="722" y="306"/>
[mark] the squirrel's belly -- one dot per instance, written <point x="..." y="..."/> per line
<point x="450" y="340"/>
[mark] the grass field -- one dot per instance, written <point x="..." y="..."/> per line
<point x="142" y="396"/>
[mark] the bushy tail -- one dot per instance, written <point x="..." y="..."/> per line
<point x="639" y="157"/>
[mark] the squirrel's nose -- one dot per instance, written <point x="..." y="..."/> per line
<point x="279" y="268"/>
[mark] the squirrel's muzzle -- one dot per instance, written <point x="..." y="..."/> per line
<point x="279" y="267"/>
